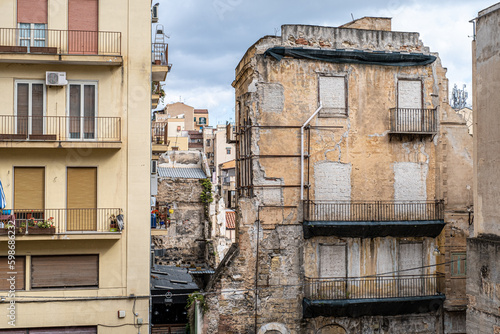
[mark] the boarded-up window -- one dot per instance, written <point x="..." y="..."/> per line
<point x="9" y="269"/>
<point x="332" y="95"/>
<point x="32" y="11"/>
<point x="458" y="264"/>
<point x="410" y="257"/>
<point x="82" y="23"/>
<point x="64" y="271"/>
<point x="56" y="330"/>
<point x="409" y="116"/>
<point x="82" y="199"/>
<point x="29" y="188"/>
<point x="332" y="262"/>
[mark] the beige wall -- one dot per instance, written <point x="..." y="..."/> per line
<point x="123" y="172"/>
<point x="180" y="108"/>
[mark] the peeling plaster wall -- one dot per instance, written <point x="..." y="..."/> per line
<point x="357" y="161"/>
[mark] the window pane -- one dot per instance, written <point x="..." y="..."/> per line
<point x="89" y="111"/>
<point x="37" y="109"/>
<point x="22" y="108"/>
<point x="74" y="111"/>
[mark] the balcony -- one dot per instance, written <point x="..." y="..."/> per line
<point x="60" y="131"/>
<point x="370" y="296"/>
<point x="405" y="121"/>
<point x="365" y="219"/>
<point x="49" y="46"/>
<point x="159" y="59"/>
<point x="67" y="223"/>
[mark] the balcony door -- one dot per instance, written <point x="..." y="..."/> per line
<point x="333" y="269"/>
<point x="32" y="23"/>
<point x="30" y="108"/>
<point x="82" y="111"/>
<point x="82" y="199"/>
<point x="82" y="24"/>
<point x="29" y="193"/>
<point x="410" y="114"/>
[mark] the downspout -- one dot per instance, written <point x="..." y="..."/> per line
<point x="302" y="151"/>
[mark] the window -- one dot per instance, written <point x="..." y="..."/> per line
<point x="64" y="271"/>
<point x="83" y="26"/>
<point x="30" y="107"/>
<point x="208" y="143"/>
<point x="82" y="112"/>
<point x="5" y="269"/>
<point x="82" y="199"/>
<point x="410" y="115"/>
<point x="32" y="22"/>
<point x="333" y="95"/>
<point x="458" y="264"/>
<point x="52" y="330"/>
<point x="178" y="128"/>
<point x="228" y="150"/>
<point x="195" y="119"/>
<point x="202" y="120"/>
<point x="29" y="192"/>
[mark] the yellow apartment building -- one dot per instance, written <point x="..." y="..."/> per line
<point x="74" y="164"/>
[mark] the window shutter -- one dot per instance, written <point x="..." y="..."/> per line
<point x="65" y="330"/>
<point x="29" y="188"/>
<point x="64" y="271"/>
<point x="37" y="109"/>
<point x="32" y="11"/>
<point x="82" y="199"/>
<point x="22" y="107"/>
<point x="4" y="270"/>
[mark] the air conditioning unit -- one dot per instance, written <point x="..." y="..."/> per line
<point x="55" y="79"/>
<point x="154" y="166"/>
<point x="154" y="13"/>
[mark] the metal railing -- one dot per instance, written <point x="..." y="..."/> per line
<point x="406" y="120"/>
<point x="63" y="42"/>
<point x="159" y="132"/>
<point x="65" y="220"/>
<point x="373" y="211"/>
<point x="374" y="287"/>
<point x="159" y="54"/>
<point x="60" y="128"/>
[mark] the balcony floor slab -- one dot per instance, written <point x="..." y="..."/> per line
<point x="369" y="229"/>
<point x="369" y="307"/>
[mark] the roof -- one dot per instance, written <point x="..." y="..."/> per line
<point x="230" y="220"/>
<point x="171" y="278"/>
<point x="181" y="173"/>
<point x="229" y="164"/>
<point x="201" y="111"/>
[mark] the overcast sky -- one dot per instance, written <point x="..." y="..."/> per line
<point x="207" y="38"/>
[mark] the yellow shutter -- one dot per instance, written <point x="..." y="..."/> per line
<point x="29" y="188"/>
<point x="82" y="199"/>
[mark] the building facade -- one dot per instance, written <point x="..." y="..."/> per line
<point x="351" y="174"/>
<point x="76" y="97"/>
<point x="483" y="248"/>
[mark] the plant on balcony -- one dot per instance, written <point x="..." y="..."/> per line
<point x="42" y="226"/>
<point x="113" y="223"/>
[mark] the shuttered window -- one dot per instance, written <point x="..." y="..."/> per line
<point x="56" y="330"/>
<point x="29" y="188"/>
<point x="30" y="107"/>
<point x="32" y="11"/>
<point x="82" y="110"/>
<point x="82" y="24"/>
<point x="82" y="199"/>
<point x="18" y="269"/>
<point x="64" y="271"/>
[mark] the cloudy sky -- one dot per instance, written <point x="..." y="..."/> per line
<point x="207" y="38"/>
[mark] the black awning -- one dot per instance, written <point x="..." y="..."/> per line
<point x="355" y="56"/>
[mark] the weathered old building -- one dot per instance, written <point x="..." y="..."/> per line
<point x="483" y="248"/>
<point x="353" y="188"/>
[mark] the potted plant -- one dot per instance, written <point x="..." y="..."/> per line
<point x="113" y="224"/>
<point x="41" y="227"/>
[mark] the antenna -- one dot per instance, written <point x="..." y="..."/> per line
<point x="459" y="97"/>
<point x="352" y="16"/>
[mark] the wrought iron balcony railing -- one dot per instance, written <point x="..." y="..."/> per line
<point x="61" y="42"/>
<point x="64" y="220"/>
<point x="159" y="54"/>
<point x="413" y="121"/>
<point x="374" y="287"/>
<point x="60" y="128"/>
<point x="373" y="211"/>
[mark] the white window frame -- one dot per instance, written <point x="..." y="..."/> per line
<point x="82" y="85"/>
<point x="33" y="27"/>
<point x="30" y="111"/>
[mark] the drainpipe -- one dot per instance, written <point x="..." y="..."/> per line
<point x="302" y="151"/>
